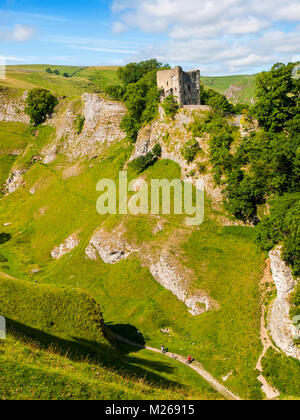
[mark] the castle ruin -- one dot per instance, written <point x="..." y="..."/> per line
<point x="185" y="86"/>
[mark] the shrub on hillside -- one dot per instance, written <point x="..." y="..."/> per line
<point x="218" y="103"/>
<point x="281" y="226"/>
<point x="141" y="163"/>
<point x="40" y="104"/>
<point x="79" y="123"/>
<point x="190" y="150"/>
<point x="115" y="92"/>
<point x="170" y="106"/>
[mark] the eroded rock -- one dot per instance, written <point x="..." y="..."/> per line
<point x="109" y="246"/>
<point x="12" y="108"/>
<point x="172" y="136"/>
<point x="282" y="329"/>
<point x="167" y="275"/>
<point x="70" y="243"/>
<point x="101" y="127"/>
<point x="14" y="181"/>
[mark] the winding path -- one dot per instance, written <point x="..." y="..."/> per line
<point x="197" y="367"/>
<point x="270" y="392"/>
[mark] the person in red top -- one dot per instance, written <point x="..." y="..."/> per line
<point x="189" y="360"/>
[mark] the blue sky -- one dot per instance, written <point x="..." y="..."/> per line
<point x="217" y="36"/>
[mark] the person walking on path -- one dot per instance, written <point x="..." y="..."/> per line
<point x="189" y="360"/>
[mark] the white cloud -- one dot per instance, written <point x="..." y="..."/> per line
<point x="22" y="33"/>
<point x="229" y="35"/>
<point x="19" y="33"/>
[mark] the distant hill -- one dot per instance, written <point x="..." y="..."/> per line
<point x="237" y="89"/>
<point x="96" y="78"/>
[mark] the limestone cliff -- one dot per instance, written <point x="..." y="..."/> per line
<point x="12" y="108"/>
<point x="172" y="135"/>
<point x="101" y="127"/>
<point x="282" y="329"/>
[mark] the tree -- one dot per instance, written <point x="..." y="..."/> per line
<point x="48" y="70"/>
<point x="133" y="72"/>
<point x="141" y="99"/>
<point x="277" y="97"/>
<point x="56" y="72"/>
<point x="66" y="75"/>
<point x="282" y="226"/>
<point x="40" y="104"/>
<point x="218" y="102"/>
<point x="115" y="92"/>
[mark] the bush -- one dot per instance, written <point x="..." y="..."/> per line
<point x="115" y="92"/>
<point x="79" y="123"/>
<point x="48" y="70"/>
<point x="40" y="104"/>
<point x="281" y="226"/>
<point x="56" y="72"/>
<point x="66" y="75"/>
<point x="218" y="103"/>
<point x="170" y="106"/>
<point x="282" y="372"/>
<point x="141" y="163"/>
<point x="190" y="150"/>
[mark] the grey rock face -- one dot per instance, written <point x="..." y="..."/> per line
<point x="70" y="243"/>
<point x="14" y="181"/>
<point x="282" y="329"/>
<point x="111" y="248"/>
<point x="170" y="279"/>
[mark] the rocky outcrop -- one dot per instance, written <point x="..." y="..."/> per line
<point x="70" y="243"/>
<point x="109" y="246"/>
<point x="172" y="135"/>
<point x="167" y="275"/>
<point x="282" y="329"/>
<point x="12" y="108"/>
<point x="101" y="127"/>
<point x="14" y="181"/>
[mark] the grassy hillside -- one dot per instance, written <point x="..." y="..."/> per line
<point x="283" y="373"/>
<point x="227" y="263"/>
<point x="30" y="372"/>
<point x="56" y="349"/>
<point x="14" y="138"/>
<point x="238" y="89"/>
<point x="81" y="80"/>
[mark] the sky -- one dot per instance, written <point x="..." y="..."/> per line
<point x="219" y="37"/>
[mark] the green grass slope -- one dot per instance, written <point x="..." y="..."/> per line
<point x="238" y="89"/>
<point x="227" y="263"/>
<point x="81" y="80"/>
<point x="56" y="349"/>
<point x="14" y="138"/>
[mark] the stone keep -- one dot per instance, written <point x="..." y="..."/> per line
<point x="185" y="86"/>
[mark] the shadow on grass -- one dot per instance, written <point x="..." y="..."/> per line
<point x="4" y="237"/>
<point x="127" y="331"/>
<point x="78" y="350"/>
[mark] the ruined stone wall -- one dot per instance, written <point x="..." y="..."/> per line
<point x="184" y="86"/>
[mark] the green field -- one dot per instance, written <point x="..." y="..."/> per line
<point x="227" y="264"/>
<point x="81" y="80"/>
